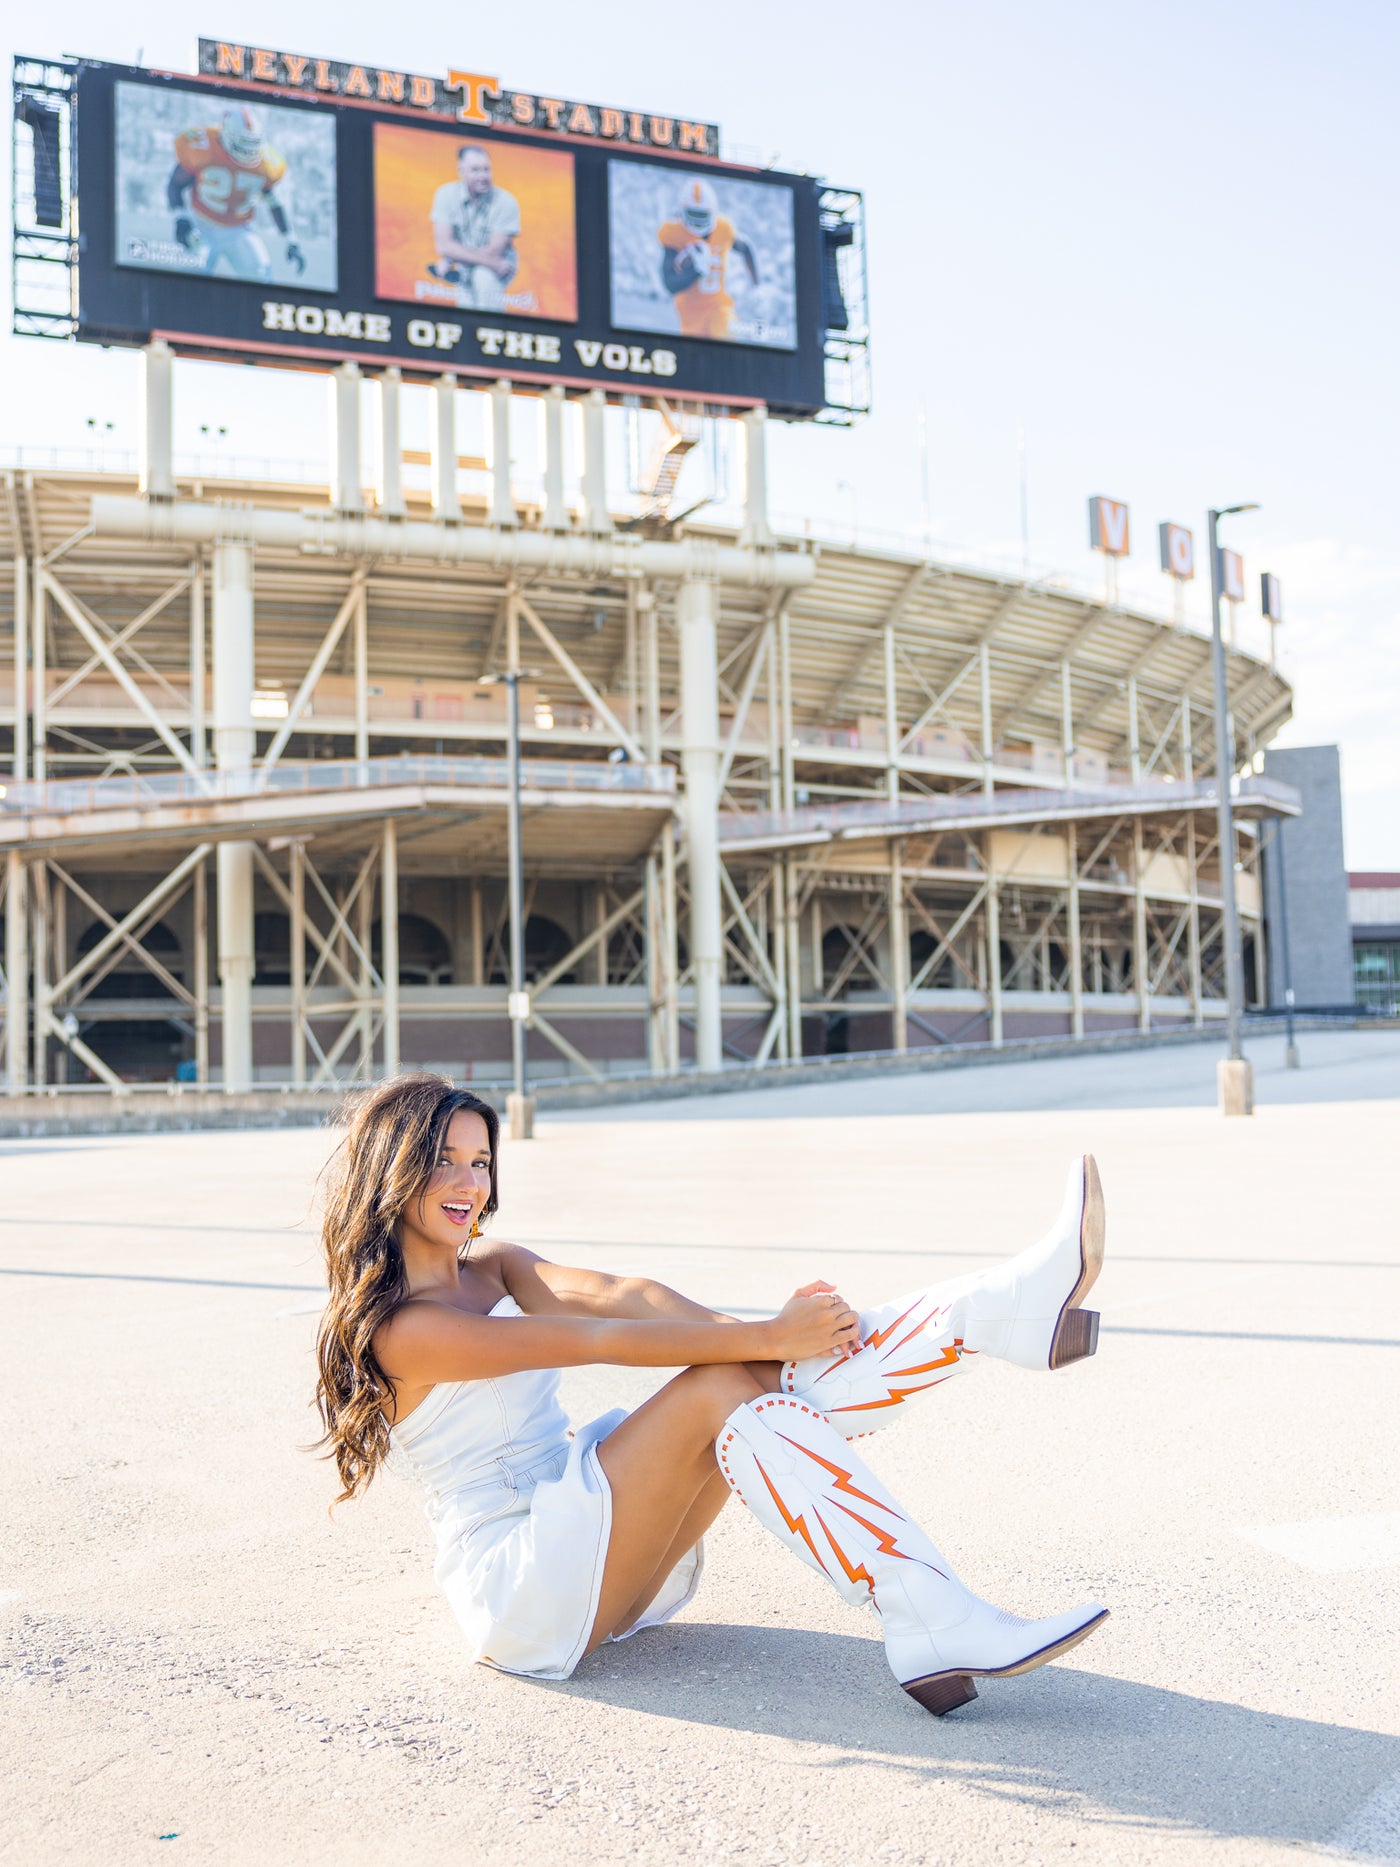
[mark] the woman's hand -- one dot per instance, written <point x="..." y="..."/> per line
<point x="824" y="1289"/>
<point x="815" y="1320"/>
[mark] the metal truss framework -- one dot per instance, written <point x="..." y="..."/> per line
<point x="43" y="249"/>
<point x="878" y="679"/>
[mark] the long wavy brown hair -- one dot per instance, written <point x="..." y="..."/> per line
<point x="380" y="1169"/>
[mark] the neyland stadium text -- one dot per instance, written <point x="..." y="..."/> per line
<point x="461" y="97"/>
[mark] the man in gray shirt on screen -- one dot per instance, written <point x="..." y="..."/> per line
<point x="475" y="227"/>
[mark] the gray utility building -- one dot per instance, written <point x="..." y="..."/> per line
<point x="1374" y="901"/>
<point x="1305" y="867"/>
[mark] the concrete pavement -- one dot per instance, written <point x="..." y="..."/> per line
<point x="1352" y="1066"/>
<point x="192" y="1648"/>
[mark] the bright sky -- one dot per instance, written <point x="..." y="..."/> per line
<point x="1157" y="242"/>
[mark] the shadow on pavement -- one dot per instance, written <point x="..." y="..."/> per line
<point x="1108" y="1751"/>
<point x="181" y="1227"/>
<point x="1261" y="1335"/>
<point x="142" y="1277"/>
<point x="40" y="1145"/>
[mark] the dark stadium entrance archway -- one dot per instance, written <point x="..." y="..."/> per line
<point x="140" y="1048"/>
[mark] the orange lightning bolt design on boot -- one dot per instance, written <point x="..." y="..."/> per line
<point x="799" y="1477"/>
<point x="1027" y="1310"/>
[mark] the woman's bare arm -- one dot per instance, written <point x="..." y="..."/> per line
<point x="545" y="1289"/>
<point x="425" y="1342"/>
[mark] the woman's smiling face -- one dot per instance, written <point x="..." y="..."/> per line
<point x="458" y="1188"/>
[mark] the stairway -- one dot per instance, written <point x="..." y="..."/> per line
<point x="679" y="434"/>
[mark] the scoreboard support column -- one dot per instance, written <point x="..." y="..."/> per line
<point x="696" y="607"/>
<point x="899" y="950"/>
<point x="389" y="942"/>
<point x="446" y="504"/>
<point x="596" y="517"/>
<point x="503" y="511"/>
<point x="756" y="529"/>
<point x="235" y="922"/>
<point x="234" y="745"/>
<point x="16" y="973"/>
<point x="391" y="500"/>
<point x="992" y="930"/>
<point x="347" y="484"/>
<point x="157" y="423"/>
<point x="555" y="517"/>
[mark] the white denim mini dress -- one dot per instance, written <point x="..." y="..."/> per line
<point x="521" y="1513"/>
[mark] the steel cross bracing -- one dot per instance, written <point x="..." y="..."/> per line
<point x="1010" y="787"/>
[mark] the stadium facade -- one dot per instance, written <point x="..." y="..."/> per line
<point x="778" y="800"/>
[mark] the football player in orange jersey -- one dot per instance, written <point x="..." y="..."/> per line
<point x="698" y="242"/>
<point x="221" y="174"/>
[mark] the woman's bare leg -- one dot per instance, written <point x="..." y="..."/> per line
<point x="709" y="1502"/>
<point x="666" y="1488"/>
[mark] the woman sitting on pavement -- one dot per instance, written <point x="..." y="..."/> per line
<point x="440" y="1352"/>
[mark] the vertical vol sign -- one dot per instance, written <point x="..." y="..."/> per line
<point x="1108" y="533"/>
<point x="1108" y="527"/>
<point x="1178" y="551"/>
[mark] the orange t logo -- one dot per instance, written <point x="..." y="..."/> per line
<point x="473" y="88"/>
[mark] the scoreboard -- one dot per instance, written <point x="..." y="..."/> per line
<point x="283" y="209"/>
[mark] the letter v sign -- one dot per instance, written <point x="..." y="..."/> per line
<point x="1108" y="527"/>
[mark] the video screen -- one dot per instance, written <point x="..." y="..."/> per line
<point x="701" y="255"/>
<point x="226" y="190"/>
<point x="476" y="226"/>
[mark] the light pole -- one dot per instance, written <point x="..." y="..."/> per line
<point x="1290" y="1053"/>
<point x="1235" y="1076"/>
<point x="520" y="1107"/>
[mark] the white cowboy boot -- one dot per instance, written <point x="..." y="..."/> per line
<point x="787" y="1462"/>
<point x="1026" y="1311"/>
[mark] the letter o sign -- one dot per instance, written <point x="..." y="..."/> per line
<point x="310" y="319"/>
<point x="422" y="333"/>
<point x="1178" y="551"/>
<point x="615" y="357"/>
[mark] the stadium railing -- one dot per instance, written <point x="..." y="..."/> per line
<point x="66" y="796"/>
